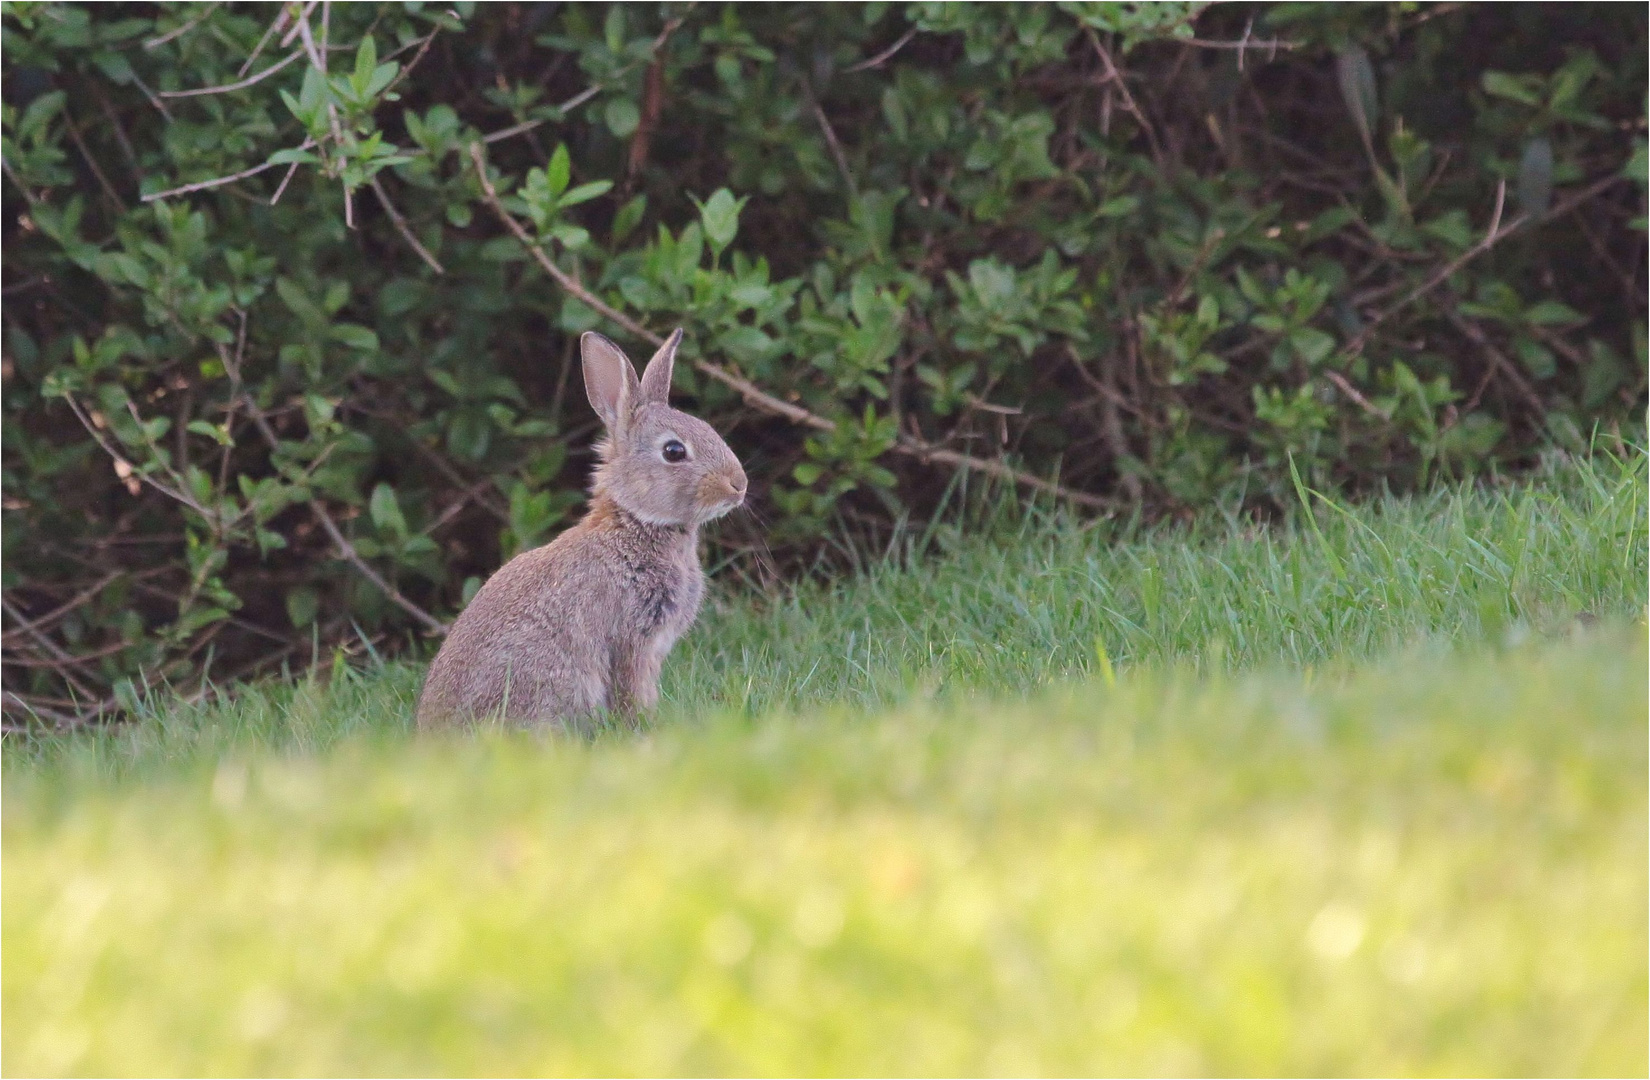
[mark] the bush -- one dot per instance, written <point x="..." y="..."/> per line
<point x="292" y="294"/>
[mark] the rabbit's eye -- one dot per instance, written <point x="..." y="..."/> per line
<point x="674" y="451"/>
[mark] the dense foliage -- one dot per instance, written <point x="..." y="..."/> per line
<point x="285" y="366"/>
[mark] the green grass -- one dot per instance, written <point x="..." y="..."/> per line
<point x="1359" y="797"/>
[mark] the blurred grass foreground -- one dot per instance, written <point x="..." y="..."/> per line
<point x="1356" y="795"/>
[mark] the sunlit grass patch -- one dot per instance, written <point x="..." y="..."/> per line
<point x="1434" y="865"/>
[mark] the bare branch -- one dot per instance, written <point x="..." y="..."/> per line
<point x="887" y="54"/>
<point x="241" y="85"/>
<point x="280" y="189"/>
<point x="924" y="451"/>
<point x="1352" y="392"/>
<point x="30" y="197"/>
<point x="1111" y="423"/>
<point x="91" y="162"/>
<point x="293" y="31"/>
<point x="14" y="702"/>
<point x="1498" y="360"/>
<point x="203" y="185"/>
<point x="406" y="69"/>
<point x="1271" y="45"/>
<point x="84" y="596"/>
<point x="274" y="28"/>
<point x="593" y="89"/>
<point x="318" y="58"/>
<point x="402" y="227"/>
<point x="831" y="140"/>
<point x="157" y="42"/>
<point x="160" y="106"/>
<point x="1113" y="75"/>
<point x="64" y="661"/>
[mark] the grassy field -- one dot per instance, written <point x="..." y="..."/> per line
<point x="1357" y="795"/>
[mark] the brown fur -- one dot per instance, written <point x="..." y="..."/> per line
<point x="584" y="623"/>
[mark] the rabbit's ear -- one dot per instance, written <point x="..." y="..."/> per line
<point x="609" y="380"/>
<point x="656" y="379"/>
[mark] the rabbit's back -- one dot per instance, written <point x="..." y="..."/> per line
<point x="550" y="636"/>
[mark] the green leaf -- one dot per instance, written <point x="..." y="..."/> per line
<point x="1118" y="207"/>
<point x="386" y="511"/>
<point x="32" y="126"/>
<point x="1511" y="87"/>
<point x="1535" y="177"/>
<point x="1552" y="313"/>
<point x="559" y="171"/>
<point x="622" y="117"/>
<point x="586" y="192"/>
<point x="212" y="431"/>
<point x="382" y="76"/>
<point x="302" y="605"/>
<point x="720" y="214"/>
<point x="1357" y="79"/>
<point x="355" y="337"/>
<point x="366" y="59"/>
<point x="1311" y="345"/>
<point x="1537" y="359"/>
<point x="628" y="217"/>
<point x="293" y="155"/>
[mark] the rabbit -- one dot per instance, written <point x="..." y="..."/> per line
<point x="583" y="624"/>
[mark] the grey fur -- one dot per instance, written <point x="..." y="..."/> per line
<point x="584" y="623"/>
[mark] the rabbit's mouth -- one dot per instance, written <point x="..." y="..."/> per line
<point x="721" y="498"/>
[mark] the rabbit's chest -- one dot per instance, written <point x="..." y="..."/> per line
<point x="665" y="600"/>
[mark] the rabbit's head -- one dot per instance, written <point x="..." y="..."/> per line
<point x="661" y="466"/>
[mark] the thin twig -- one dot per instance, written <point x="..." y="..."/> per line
<point x="12" y="701"/>
<point x="1352" y="392"/>
<point x="831" y="140"/>
<point x="119" y="130"/>
<point x="214" y="182"/>
<point x="157" y="42"/>
<point x="30" y="197"/>
<point x="52" y="648"/>
<point x="270" y="31"/>
<point x="402" y="227"/>
<point x="97" y="170"/>
<point x="1115" y="76"/>
<point x="1491" y="236"/>
<point x="1498" y="359"/>
<point x="924" y="451"/>
<point x="406" y="69"/>
<point x="885" y="55"/>
<point x="747" y="390"/>
<point x="280" y="189"/>
<point x="84" y="596"/>
<point x="241" y="85"/>
<point x="160" y="106"/>
<point x="1244" y="45"/>
<point x="1111" y="424"/>
<point x="293" y="31"/>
